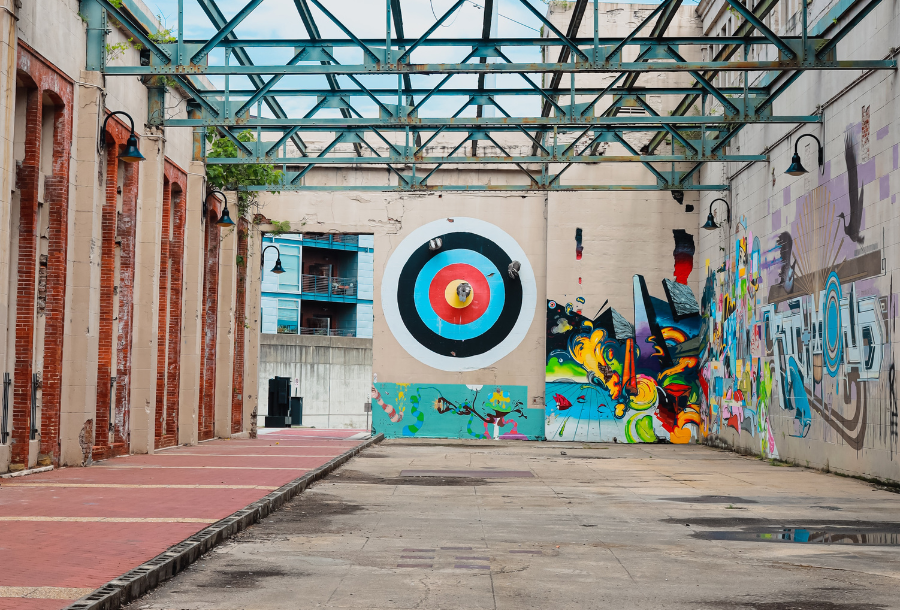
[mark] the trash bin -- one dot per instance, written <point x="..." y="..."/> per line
<point x="296" y="410"/>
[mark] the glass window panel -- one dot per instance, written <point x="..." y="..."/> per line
<point x="288" y="317"/>
<point x="290" y="279"/>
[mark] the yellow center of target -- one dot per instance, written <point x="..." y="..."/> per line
<point x="453" y="298"/>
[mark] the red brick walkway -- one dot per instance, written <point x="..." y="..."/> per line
<point x="67" y="532"/>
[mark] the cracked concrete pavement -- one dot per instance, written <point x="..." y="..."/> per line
<point x="558" y="525"/>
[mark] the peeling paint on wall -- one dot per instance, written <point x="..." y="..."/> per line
<point x="683" y="254"/>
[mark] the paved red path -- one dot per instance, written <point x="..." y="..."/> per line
<point x="66" y="532"/>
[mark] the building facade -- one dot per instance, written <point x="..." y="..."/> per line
<point x="122" y="309"/>
<point x="326" y="288"/>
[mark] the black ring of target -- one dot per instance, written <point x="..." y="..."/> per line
<point x="484" y="342"/>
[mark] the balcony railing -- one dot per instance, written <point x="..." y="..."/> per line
<point x="328" y="238"/>
<point x="328" y="332"/>
<point x="328" y="286"/>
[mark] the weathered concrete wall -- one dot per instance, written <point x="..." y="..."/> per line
<point x="802" y="349"/>
<point x="332" y="374"/>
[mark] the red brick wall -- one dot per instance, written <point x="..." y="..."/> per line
<point x="170" y="306"/>
<point x="162" y="331"/>
<point x="27" y="178"/>
<point x="240" y="314"/>
<point x="209" y="319"/>
<point x="116" y="136"/>
<point x="125" y="232"/>
<point x="42" y="79"/>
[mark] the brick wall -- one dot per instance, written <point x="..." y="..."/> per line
<point x="170" y="309"/>
<point x="209" y="319"/>
<point x="162" y="440"/>
<point x="116" y="136"/>
<point x="240" y="314"/>
<point x="42" y="79"/>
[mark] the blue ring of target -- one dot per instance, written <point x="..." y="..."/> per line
<point x="833" y="342"/>
<point x="449" y="330"/>
<point x="494" y="336"/>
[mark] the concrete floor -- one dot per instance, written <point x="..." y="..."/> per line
<point x="600" y="526"/>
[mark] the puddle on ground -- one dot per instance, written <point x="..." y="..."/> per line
<point x="711" y="500"/>
<point x="808" y="536"/>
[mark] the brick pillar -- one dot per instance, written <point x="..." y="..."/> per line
<point x="209" y="330"/>
<point x="28" y="177"/>
<point x="126" y="235"/>
<point x="240" y="315"/>
<point x="176" y="281"/>
<point x="107" y="283"/>
<point x="162" y="332"/>
<point x="56" y="196"/>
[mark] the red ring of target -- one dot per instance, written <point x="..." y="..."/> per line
<point x="481" y="296"/>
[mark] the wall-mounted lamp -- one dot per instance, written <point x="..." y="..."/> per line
<point x="131" y="154"/>
<point x="225" y="218"/>
<point x="796" y="168"/>
<point x="710" y="220"/>
<point x="277" y="269"/>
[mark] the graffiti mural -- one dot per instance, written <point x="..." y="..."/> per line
<point x="797" y="330"/>
<point x="455" y="411"/>
<point x="611" y="380"/>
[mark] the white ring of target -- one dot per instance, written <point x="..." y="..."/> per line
<point x="391" y="279"/>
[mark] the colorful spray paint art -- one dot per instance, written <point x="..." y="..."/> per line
<point x="455" y="411"/>
<point x="797" y="326"/>
<point x="611" y="380"/>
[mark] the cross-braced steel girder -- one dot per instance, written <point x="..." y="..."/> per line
<point x="394" y="114"/>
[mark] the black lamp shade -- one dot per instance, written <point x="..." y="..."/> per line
<point x="796" y="168"/>
<point x="225" y="218"/>
<point x="278" y="269"/>
<point x="131" y="154"/>
<point x="710" y="223"/>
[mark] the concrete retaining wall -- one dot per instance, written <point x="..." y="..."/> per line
<point x="332" y="374"/>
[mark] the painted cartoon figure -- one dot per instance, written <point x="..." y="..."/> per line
<point x="391" y="412"/>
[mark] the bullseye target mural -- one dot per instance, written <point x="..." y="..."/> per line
<point x="459" y="294"/>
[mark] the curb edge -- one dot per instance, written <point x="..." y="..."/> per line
<point x="150" y="574"/>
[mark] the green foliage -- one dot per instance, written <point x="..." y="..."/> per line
<point x="117" y="3"/>
<point x="164" y="34"/>
<point x="115" y="51"/>
<point x="232" y="177"/>
<point x="280" y="226"/>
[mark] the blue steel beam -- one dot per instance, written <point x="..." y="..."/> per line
<point x="403" y="58"/>
<point x="399" y="52"/>
<point x="503" y="68"/>
<point x="499" y="91"/>
<point x="762" y="28"/>
<point x="312" y="30"/>
<point x="365" y="48"/>
<point x="224" y="31"/>
<point x="498" y="42"/>
<point x="743" y="31"/>
<point x="491" y="188"/>
<point x="218" y="19"/>
<point x="318" y="124"/>
<point x="547" y="24"/>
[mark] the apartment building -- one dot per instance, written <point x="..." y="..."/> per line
<point x="325" y="287"/>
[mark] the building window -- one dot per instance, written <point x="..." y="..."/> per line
<point x="288" y="316"/>
<point x="289" y="281"/>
